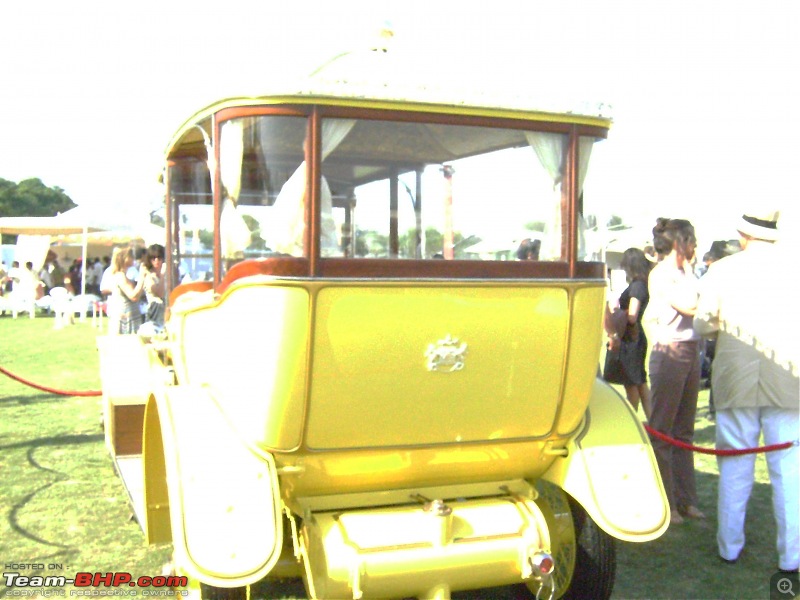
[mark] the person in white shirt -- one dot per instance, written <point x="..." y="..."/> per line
<point x="45" y="278"/>
<point x="12" y="277"/>
<point x="745" y="303"/>
<point x="675" y="364"/>
<point x="27" y="290"/>
<point x="109" y="297"/>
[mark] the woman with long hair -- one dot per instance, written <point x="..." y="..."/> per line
<point x="126" y="293"/>
<point x="662" y="244"/>
<point x="154" y="284"/>
<point x="675" y="364"/>
<point x="633" y="343"/>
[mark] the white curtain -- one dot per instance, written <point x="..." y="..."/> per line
<point x="231" y="154"/>
<point x="550" y="149"/>
<point x="585" y="146"/>
<point x="286" y="231"/>
<point x="234" y="234"/>
<point x="33" y="248"/>
<point x="333" y="133"/>
<point x="210" y="158"/>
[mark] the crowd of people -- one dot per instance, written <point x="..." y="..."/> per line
<point x="27" y="285"/>
<point x="134" y="288"/>
<point x="20" y="288"/>
<point x="733" y="303"/>
<point x="130" y="285"/>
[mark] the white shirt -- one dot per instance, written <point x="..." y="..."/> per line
<point x="745" y="299"/>
<point x="670" y="285"/>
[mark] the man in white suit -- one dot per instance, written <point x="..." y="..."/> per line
<point x="745" y="302"/>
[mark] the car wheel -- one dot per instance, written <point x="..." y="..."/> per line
<point x="584" y="554"/>
<point x="595" y="558"/>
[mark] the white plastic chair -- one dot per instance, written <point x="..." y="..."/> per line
<point x="83" y="304"/>
<point x="61" y="305"/>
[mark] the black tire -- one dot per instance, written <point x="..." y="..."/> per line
<point x="595" y="559"/>
<point x="210" y="592"/>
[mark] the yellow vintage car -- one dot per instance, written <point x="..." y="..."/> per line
<point x="379" y="371"/>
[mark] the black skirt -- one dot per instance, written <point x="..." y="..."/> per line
<point x="632" y="355"/>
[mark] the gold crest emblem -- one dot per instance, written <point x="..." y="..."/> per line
<point x="446" y="356"/>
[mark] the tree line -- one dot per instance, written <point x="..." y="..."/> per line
<point x="31" y="198"/>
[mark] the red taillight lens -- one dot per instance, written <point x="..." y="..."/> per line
<point x="543" y="563"/>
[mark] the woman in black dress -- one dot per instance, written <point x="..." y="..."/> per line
<point x="633" y="344"/>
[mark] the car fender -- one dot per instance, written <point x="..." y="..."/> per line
<point x="610" y="469"/>
<point x="217" y="500"/>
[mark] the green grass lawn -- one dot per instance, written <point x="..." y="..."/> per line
<point x="61" y="500"/>
<point x="63" y="504"/>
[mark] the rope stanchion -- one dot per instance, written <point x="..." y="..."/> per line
<point x="701" y="450"/>
<point x="48" y="389"/>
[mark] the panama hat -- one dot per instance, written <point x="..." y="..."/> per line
<point x="760" y="224"/>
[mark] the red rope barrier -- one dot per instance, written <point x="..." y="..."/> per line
<point x="650" y="430"/>
<point x="48" y="389"/>
<point x="702" y="450"/>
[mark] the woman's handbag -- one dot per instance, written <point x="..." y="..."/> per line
<point x="613" y="371"/>
<point x="617" y="327"/>
<point x="616" y="322"/>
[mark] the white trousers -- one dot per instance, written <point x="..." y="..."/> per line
<point x="740" y="428"/>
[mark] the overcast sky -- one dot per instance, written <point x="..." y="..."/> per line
<point x="704" y="94"/>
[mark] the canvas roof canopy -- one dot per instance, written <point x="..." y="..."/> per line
<point x="76" y="220"/>
<point x="144" y="234"/>
<point x="60" y="224"/>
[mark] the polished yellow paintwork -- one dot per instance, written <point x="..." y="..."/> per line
<point x="336" y="372"/>
<point x="259" y="375"/>
<point x="611" y="470"/>
<point x="586" y="314"/>
<point x="310" y="436"/>
<point x="408" y="550"/>
<point x="331" y="386"/>
<point x="370" y="343"/>
<point x="222" y="500"/>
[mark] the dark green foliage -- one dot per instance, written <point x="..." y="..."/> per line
<point x="31" y="198"/>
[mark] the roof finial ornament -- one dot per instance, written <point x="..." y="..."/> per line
<point x="377" y="42"/>
<point x="385" y="36"/>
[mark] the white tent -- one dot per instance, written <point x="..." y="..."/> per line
<point x="143" y="233"/>
<point x="73" y="221"/>
<point x="79" y="224"/>
<point x="101" y="244"/>
<point x="68" y="222"/>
